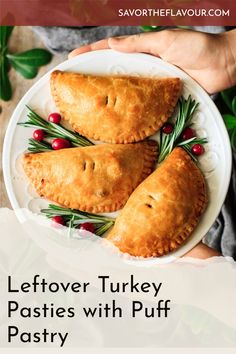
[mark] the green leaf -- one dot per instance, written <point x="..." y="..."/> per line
<point x="5" y="32"/>
<point x="28" y="72"/>
<point x="225" y="96"/>
<point x="228" y="96"/>
<point x="184" y="27"/>
<point x="230" y="121"/>
<point x="151" y="28"/>
<point x="5" y="85"/>
<point x="233" y="139"/>
<point x="8" y="65"/>
<point x="234" y="105"/>
<point x="33" y="57"/>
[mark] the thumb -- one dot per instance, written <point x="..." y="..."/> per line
<point x="152" y="43"/>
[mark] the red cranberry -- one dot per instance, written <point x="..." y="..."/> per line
<point x="197" y="149"/>
<point x="167" y="128"/>
<point x="88" y="226"/>
<point x="54" y="118"/>
<point x="57" y="221"/>
<point x="60" y="143"/>
<point x="188" y="133"/>
<point x="38" y="134"/>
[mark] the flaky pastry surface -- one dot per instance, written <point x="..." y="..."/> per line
<point x="114" y="109"/>
<point x="95" y="179"/>
<point x="163" y="210"/>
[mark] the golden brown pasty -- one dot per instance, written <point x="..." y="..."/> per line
<point x="163" y="210"/>
<point x="114" y="109"/>
<point x="95" y="179"/>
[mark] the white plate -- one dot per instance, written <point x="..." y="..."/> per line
<point x="215" y="163"/>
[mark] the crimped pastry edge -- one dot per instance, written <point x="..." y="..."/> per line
<point x="138" y="136"/>
<point x="150" y="157"/>
<point x="180" y="238"/>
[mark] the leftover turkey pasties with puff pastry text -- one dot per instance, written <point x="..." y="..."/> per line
<point x="114" y="109"/>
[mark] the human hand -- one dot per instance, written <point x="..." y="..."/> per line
<point x="210" y="59"/>
<point x="202" y="251"/>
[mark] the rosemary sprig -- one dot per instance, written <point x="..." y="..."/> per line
<point x="38" y="146"/>
<point x="54" y="130"/>
<point x="73" y="218"/>
<point x="186" y="109"/>
<point x="187" y="144"/>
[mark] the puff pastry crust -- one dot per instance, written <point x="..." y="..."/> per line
<point x="163" y="210"/>
<point x="95" y="179"/>
<point x="114" y="109"/>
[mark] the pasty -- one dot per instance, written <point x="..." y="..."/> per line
<point x="95" y="179"/>
<point x="114" y="109"/>
<point x="163" y="210"/>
